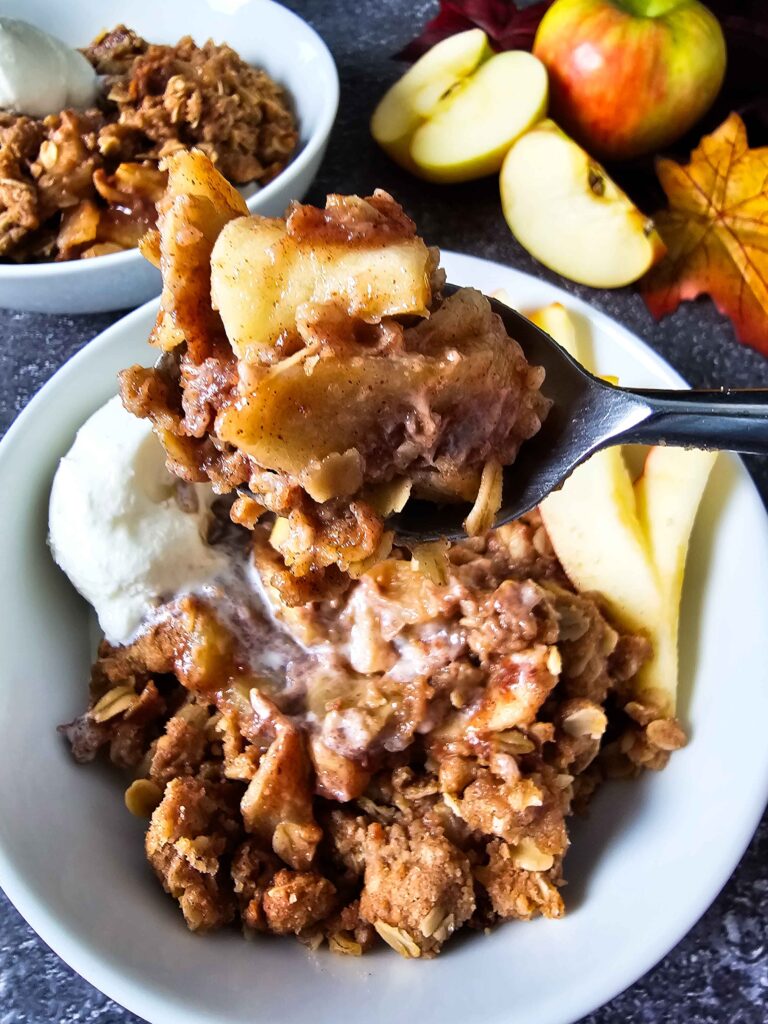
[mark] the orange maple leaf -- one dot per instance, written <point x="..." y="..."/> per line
<point x="716" y="232"/>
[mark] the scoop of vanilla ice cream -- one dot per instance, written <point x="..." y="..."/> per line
<point x="116" y="527"/>
<point x="40" y="74"/>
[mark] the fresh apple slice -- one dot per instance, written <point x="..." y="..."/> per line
<point x="558" y="323"/>
<point x="414" y="96"/>
<point x="593" y="525"/>
<point x="594" y="528"/>
<point x="554" y="319"/>
<point x="565" y="210"/>
<point x="629" y="542"/>
<point x="669" y="493"/>
<point x="471" y="129"/>
<point x="455" y="114"/>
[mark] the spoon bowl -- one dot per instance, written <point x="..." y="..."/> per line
<point x="588" y="414"/>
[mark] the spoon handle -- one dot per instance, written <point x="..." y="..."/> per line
<point x="728" y="418"/>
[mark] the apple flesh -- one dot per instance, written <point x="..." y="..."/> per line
<point x="668" y="495"/>
<point x="630" y="544"/>
<point x="593" y="525"/>
<point x="261" y="276"/>
<point x="407" y="104"/>
<point x="592" y="519"/>
<point x="673" y="479"/>
<point x="629" y="541"/>
<point x="455" y="113"/>
<point x="628" y="77"/>
<point x="556" y="321"/>
<point x="471" y="129"/>
<point x="565" y="210"/>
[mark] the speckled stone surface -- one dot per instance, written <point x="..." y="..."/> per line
<point x="719" y="972"/>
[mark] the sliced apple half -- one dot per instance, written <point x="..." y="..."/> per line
<point x="565" y="210"/>
<point x="471" y="129"/>
<point x="414" y="96"/>
<point x="453" y="116"/>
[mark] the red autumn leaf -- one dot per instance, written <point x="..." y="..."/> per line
<point x="716" y="232"/>
<point x="507" y="27"/>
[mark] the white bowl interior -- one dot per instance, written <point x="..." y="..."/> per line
<point x="265" y="34"/>
<point x="643" y="866"/>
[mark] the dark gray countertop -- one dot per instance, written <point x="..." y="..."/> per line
<point x="719" y="972"/>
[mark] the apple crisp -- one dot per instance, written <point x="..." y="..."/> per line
<point x="314" y="365"/>
<point x="85" y="183"/>
<point x="396" y="762"/>
<point x="338" y="738"/>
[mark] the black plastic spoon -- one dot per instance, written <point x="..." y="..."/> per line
<point x="588" y="414"/>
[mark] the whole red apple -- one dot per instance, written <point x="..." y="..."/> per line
<point x="628" y="77"/>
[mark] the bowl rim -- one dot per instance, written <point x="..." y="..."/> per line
<point x="318" y="138"/>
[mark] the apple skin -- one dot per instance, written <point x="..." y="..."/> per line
<point x="628" y="77"/>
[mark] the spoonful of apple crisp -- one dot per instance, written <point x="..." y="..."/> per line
<point x="317" y="367"/>
<point x="586" y="415"/>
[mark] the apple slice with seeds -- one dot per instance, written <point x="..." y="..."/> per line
<point x="471" y="129"/>
<point x="565" y="210"/>
<point x="414" y="96"/>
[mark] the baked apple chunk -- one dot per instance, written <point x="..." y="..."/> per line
<point x="314" y="365"/>
<point x="271" y="278"/>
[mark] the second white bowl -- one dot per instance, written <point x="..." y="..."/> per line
<point x="264" y="34"/>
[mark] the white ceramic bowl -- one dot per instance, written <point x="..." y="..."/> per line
<point x="643" y="866"/>
<point x="264" y="34"/>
